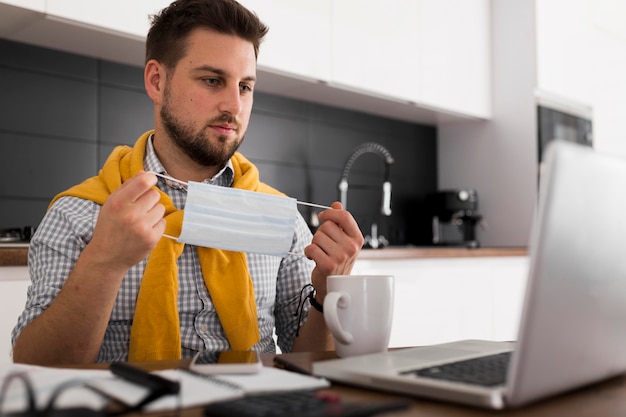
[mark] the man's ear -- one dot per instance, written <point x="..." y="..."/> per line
<point x="154" y="80"/>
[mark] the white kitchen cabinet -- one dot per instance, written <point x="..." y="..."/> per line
<point x="432" y="53"/>
<point x="417" y="60"/>
<point x="454" y="47"/>
<point x="127" y="17"/>
<point x="375" y="47"/>
<point x="425" y="53"/>
<point x="14" y="281"/>
<point x="447" y="299"/>
<point x="298" y="42"/>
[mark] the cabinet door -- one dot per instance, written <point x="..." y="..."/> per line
<point x="375" y="47"/>
<point x="298" y="41"/>
<point x="129" y="17"/>
<point x="440" y="300"/>
<point x="14" y="282"/>
<point x="455" y="64"/>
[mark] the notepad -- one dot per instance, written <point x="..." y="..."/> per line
<point x="274" y="379"/>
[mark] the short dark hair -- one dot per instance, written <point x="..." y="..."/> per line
<point x="166" y="40"/>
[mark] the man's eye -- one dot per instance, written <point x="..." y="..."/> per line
<point x="211" y="81"/>
<point x="245" y="88"/>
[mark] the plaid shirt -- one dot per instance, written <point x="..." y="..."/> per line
<point x="68" y="227"/>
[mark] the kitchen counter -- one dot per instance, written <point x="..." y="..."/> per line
<point x="17" y="255"/>
<point x="407" y="252"/>
<point x="14" y="254"/>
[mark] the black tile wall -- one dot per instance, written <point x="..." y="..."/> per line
<point x="61" y="115"/>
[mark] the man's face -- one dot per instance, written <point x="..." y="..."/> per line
<point x="208" y="97"/>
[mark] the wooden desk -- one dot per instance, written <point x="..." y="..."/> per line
<point x="604" y="399"/>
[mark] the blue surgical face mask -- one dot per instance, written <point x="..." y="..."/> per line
<point x="238" y="220"/>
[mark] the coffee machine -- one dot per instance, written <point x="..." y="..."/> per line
<point x="454" y="217"/>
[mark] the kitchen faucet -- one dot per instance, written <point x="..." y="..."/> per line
<point x="374" y="240"/>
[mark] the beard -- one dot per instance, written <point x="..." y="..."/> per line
<point x="197" y="145"/>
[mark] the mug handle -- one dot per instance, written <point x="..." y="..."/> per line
<point x="332" y="301"/>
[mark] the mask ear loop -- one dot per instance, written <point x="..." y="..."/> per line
<point x="167" y="177"/>
<point x="303" y="203"/>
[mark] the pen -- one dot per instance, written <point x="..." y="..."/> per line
<point x="154" y="383"/>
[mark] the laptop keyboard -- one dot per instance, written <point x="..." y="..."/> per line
<point x="486" y="371"/>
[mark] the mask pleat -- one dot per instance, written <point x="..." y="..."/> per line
<point x="238" y="220"/>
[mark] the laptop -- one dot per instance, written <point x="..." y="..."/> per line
<point x="573" y="324"/>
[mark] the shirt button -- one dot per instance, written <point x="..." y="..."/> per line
<point x="203" y="327"/>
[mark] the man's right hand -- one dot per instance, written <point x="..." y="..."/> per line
<point x="130" y="223"/>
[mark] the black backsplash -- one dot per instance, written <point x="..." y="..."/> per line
<point x="61" y="114"/>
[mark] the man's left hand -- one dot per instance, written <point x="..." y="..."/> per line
<point x="335" y="246"/>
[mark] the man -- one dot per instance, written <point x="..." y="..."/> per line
<point x="106" y="284"/>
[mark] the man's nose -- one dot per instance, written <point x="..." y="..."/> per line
<point x="230" y="100"/>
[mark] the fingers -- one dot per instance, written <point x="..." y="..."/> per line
<point x="336" y="243"/>
<point x="131" y="220"/>
<point x="339" y="227"/>
<point x="133" y="189"/>
<point x="147" y="200"/>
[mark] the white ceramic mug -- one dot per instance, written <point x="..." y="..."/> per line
<point x="358" y="310"/>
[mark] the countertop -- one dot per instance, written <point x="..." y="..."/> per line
<point x="13" y="254"/>
<point x="407" y="252"/>
<point x="17" y="255"/>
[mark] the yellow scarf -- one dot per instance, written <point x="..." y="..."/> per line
<point x="155" y="332"/>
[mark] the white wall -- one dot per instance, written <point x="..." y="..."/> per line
<point x="581" y="55"/>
